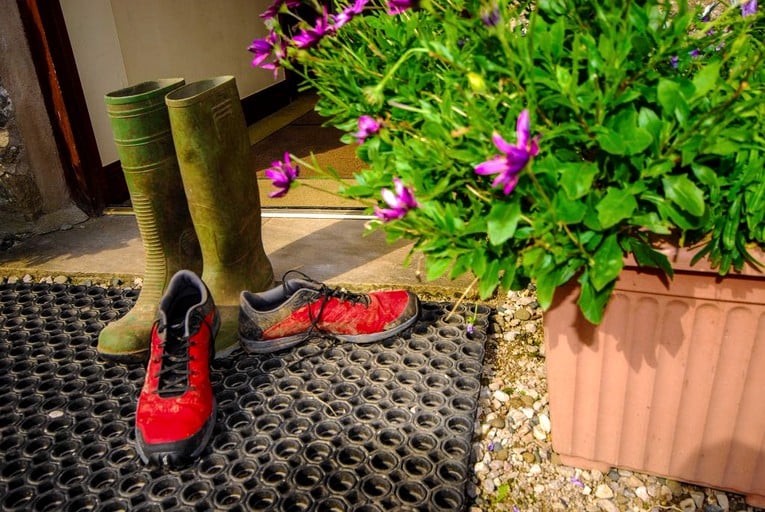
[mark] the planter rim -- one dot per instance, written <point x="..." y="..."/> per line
<point x="680" y="259"/>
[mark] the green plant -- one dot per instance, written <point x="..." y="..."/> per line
<point x="544" y="141"/>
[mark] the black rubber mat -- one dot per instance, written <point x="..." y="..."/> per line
<point x="325" y="426"/>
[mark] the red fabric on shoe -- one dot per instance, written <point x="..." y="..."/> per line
<point x="343" y="317"/>
<point x="176" y="418"/>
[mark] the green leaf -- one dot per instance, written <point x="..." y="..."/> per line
<point x="502" y="221"/>
<point x="593" y="302"/>
<point x="685" y="194"/>
<point x="634" y="138"/>
<point x="706" y="78"/>
<point x="647" y="256"/>
<point x="576" y="178"/>
<point x="616" y="205"/>
<point x="437" y="267"/>
<point x="672" y="100"/>
<point x="489" y="280"/>
<point x="546" y="284"/>
<point x="608" y="261"/>
<point x="567" y="210"/>
<point x="611" y="142"/>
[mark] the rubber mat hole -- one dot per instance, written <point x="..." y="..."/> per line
<point x="417" y="466"/>
<point x="52" y="500"/>
<point x="367" y="413"/>
<point x="289" y="384"/>
<point x="451" y="472"/>
<point x="94" y="451"/>
<point x="287" y="447"/>
<point x="422" y="442"/>
<point x="332" y="505"/>
<point x="239" y="420"/>
<point x="275" y="473"/>
<point x="162" y="488"/>
<point x="447" y="499"/>
<point x="228" y="496"/>
<point x="307" y="406"/>
<point x="297" y="426"/>
<point x="227" y="441"/>
<point x="360" y="433"/>
<point x="469" y="367"/>
<point x="459" y="425"/>
<point x="262" y="499"/>
<point x="195" y="492"/>
<point x="412" y="492"/>
<point x="212" y="465"/>
<point x="242" y="470"/>
<point x="257" y="445"/>
<point x="440" y="363"/>
<point x="14" y="468"/>
<point x="341" y="481"/>
<point x="350" y="456"/>
<point x="134" y="484"/>
<point x="352" y="374"/>
<point x="467" y="385"/>
<point x="297" y="501"/>
<point x="448" y="332"/>
<point x="317" y="451"/>
<point x="268" y="423"/>
<point x="102" y="479"/>
<point x="376" y="486"/>
<point x="328" y="429"/>
<point x="384" y="461"/>
<point x="345" y="389"/>
<point x="338" y="408"/>
<point x="437" y="381"/>
<point x="472" y="350"/>
<point x="308" y="476"/>
<point x="251" y="400"/>
<point x="391" y="438"/>
<point x="380" y="375"/>
<point x="37" y="445"/>
<point x="397" y="417"/>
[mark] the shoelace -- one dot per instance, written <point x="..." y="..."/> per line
<point x="174" y="367"/>
<point x="325" y="295"/>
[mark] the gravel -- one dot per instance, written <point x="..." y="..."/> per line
<point x="516" y="468"/>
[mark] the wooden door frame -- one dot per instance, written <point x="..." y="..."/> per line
<point x="92" y="186"/>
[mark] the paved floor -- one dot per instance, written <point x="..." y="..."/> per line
<point x="334" y="250"/>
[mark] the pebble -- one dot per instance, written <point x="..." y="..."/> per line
<point x="607" y="506"/>
<point x="604" y="491"/>
<point x="501" y="396"/>
<point x="688" y="505"/>
<point x="522" y="314"/>
<point x="61" y="279"/>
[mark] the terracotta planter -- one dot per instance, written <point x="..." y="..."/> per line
<point x="672" y="382"/>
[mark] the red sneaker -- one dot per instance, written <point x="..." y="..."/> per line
<point x="288" y="314"/>
<point x="176" y="408"/>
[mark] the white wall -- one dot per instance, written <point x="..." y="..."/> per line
<point x="117" y="43"/>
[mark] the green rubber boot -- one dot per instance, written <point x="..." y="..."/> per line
<point x="213" y="149"/>
<point x="141" y="130"/>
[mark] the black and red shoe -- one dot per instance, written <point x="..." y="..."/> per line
<point x="176" y="409"/>
<point x="289" y="314"/>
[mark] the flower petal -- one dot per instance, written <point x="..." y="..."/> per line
<point x="496" y="165"/>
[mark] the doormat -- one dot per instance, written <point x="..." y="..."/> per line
<point x="325" y="426"/>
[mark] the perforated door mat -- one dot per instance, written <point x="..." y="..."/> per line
<point x="325" y="426"/>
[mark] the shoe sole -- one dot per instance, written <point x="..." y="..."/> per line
<point x="173" y="453"/>
<point x="277" y="344"/>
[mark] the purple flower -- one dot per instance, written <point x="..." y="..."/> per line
<point x="749" y="8"/>
<point x="348" y="13"/>
<point x="576" y="482"/>
<point x="400" y="202"/>
<point x="490" y="18"/>
<point x="309" y="37"/>
<point x="674" y="60"/>
<point x="274" y="8"/>
<point x="368" y="126"/>
<point x="399" y="6"/>
<point x="265" y="48"/>
<point x="514" y="158"/>
<point x="470" y="328"/>
<point x="694" y="53"/>
<point x="282" y="174"/>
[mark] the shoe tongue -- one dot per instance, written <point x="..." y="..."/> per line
<point x="294" y="285"/>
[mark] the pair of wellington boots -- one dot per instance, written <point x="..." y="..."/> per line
<point x="185" y="154"/>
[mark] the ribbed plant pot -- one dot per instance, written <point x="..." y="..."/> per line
<point x="671" y="383"/>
